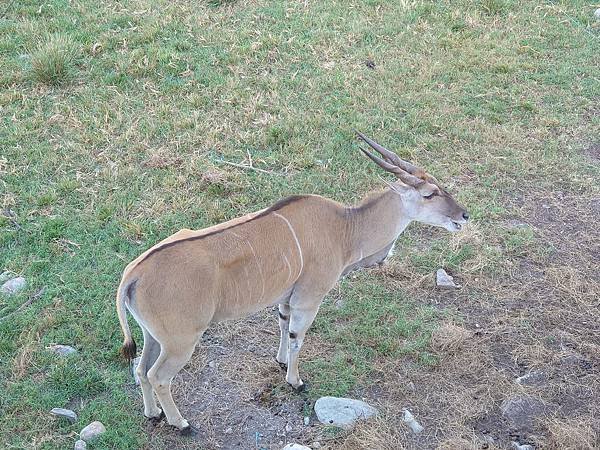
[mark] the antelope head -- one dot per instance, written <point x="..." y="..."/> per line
<point x="421" y="194"/>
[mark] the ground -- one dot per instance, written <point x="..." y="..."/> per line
<point x="119" y="121"/>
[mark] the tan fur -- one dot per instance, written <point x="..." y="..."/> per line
<point x="291" y="254"/>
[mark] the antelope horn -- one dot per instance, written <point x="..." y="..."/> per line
<point x="390" y="156"/>
<point x="406" y="177"/>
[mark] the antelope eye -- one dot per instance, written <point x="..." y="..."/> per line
<point x="429" y="196"/>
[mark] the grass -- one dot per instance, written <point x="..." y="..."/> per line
<point x="116" y="115"/>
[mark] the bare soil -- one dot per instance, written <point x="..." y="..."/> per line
<point x="539" y="320"/>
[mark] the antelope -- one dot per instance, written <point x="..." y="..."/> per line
<point x="289" y="255"/>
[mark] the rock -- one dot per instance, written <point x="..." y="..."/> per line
<point x="228" y="430"/>
<point x="517" y="446"/>
<point x="135" y="363"/>
<point x="342" y="412"/>
<point x="306" y="420"/>
<point x="66" y="413"/>
<point x="411" y="422"/>
<point x="522" y="411"/>
<point x="13" y="286"/>
<point x="80" y="445"/>
<point x="295" y="447"/>
<point x="212" y="364"/>
<point x="315" y="445"/>
<point x="534" y="378"/>
<point x="445" y="281"/>
<point x="5" y="276"/>
<point x="597" y="14"/>
<point x="62" y="350"/>
<point x="92" y="431"/>
<point x="288" y="428"/>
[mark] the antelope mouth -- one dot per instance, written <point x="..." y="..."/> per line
<point x="455" y="226"/>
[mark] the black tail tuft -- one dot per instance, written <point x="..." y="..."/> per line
<point x="129" y="350"/>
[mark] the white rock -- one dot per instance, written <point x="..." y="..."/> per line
<point x="80" y="445"/>
<point x="597" y="14"/>
<point x="212" y="364"/>
<point x="342" y="412"/>
<point x="228" y="430"/>
<point x="295" y="447"/>
<point x="517" y="446"/>
<point x="66" y="413"/>
<point x="62" y="350"/>
<point x="134" y="365"/>
<point x="306" y="420"/>
<point x="445" y="281"/>
<point x="411" y="422"/>
<point x="533" y="378"/>
<point x="92" y="431"/>
<point x="13" y="285"/>
<point x="315" y="445"/>
<point x="6" y="275"/>
<point x="288" y="428"/>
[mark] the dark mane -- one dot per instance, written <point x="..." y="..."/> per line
<point x="275" y="207"/>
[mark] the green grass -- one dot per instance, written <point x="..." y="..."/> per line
<point x="115" y="116"/>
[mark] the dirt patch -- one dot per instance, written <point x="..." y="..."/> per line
<point x="235" y="392"/>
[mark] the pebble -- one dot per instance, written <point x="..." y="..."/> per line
<point x="522" y="411"/>
<point x="517" y="446"/>
<point x="6" y="275"/>
<point x="228" y="430"/>
<point x="533" y="378"/>
<point x="315" y="445"/>
<point x="445" y="281"/>
<point x="92" y="431"/>
<point x="13" y="286"/>
<point x="80" y="445"/>
<point x="62" y="350"/>
<point x="66" y="413"/>
<point x="212" y="364"/>
<point x="342" y="412"/>
<point x="288" y="428"/>
<point x="410" y="420"/>
<point x="306" y="420"/>
<point x="597" y="14"/>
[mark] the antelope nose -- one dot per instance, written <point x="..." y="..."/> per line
<point x="466" y="215"/>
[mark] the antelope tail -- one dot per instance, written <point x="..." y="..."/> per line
<point x="128" y="350"/>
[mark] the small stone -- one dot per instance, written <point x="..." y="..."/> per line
<point x="411" y="422"/>
<point x="288" y="428"/>
<point x="13" y="286"/>
<point x="62" y="350"/>
<point x="295" y="447"/>
<point x="66" y="413"/>
<point x="533" y="378"/>
<point x="522" y="411"/>
<point x="597" y="14"/>
<point x="228" y="430"/>
<point x="315" y="445"/>
<point x="306" y="420"/>
<point x="6" y="275"/>
<point x="134" y="365"/>
<point x="212" y="364"/>
<point x="92" y="431"/>
<point x="80" y="445"/>
<point x="517" y="446"/>
<point x="342" y="412"/>
<point x="445" y="281"/>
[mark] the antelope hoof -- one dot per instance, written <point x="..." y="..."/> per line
<point x="301" y="388"/>
<point x="156" y="420"/>
<point x="189" y="431"/>
<point x="282" y="365"/>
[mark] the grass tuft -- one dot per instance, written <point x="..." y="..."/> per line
<point x="53" y="62"/>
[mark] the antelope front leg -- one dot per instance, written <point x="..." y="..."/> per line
<point x="284" y="328"/>
<point x="300" y="320"/>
